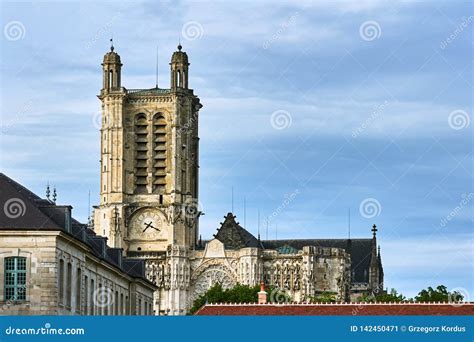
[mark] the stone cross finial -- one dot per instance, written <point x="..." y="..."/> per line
<point x="374" y="229"/>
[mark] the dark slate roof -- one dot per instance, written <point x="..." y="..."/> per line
<point x="233" y="236"/>
<point x="21" y="209"/>
<point x="359" y="249"/>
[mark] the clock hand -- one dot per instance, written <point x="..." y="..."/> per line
<point x="147" y="225"/>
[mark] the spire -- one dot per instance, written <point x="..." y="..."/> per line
<point x="374" y="270"/>
<point x="112" y="44"/>
<point x="349" y="223"/>
<point x="54" y="195"/>
<point x="258" y="224"/>
<point x="157" y="67"/>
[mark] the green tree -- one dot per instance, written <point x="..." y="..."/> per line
<point x="440" y="294"/>
<point x="392" y="297"/>
<point x="238" y="294"/>
<point x="324" y="297"/>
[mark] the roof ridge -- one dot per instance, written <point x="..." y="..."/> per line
<point x="30" y="194"/>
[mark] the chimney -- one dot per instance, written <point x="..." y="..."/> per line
<point x="262" y="295"/>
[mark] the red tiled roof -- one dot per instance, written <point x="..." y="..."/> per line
<point x="339" y="309"/>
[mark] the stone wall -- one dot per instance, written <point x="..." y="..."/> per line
<point x="96" y="287"/>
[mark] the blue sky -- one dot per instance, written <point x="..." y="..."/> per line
<point x="310" y="108"/>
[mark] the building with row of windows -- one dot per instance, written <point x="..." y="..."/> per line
<point x="51" y="264"/>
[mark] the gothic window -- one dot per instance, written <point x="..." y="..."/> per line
<point x="159" y="153"/>
<point x="15" y="278"/>
<point x="141" y="152"/>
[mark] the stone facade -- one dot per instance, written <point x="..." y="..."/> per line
<point x="149" y="207"/>
<point x="95" y="287"/>
<point x="149" y="161"/>
<point x="50" y="264"/>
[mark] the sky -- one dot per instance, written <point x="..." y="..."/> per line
<point x="311" y="109"/>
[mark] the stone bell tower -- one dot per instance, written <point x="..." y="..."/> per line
<point x="149" y="162"/>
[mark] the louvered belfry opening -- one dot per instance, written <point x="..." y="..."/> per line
<point x="141" y="153"/>
<point x="159" y="153"/>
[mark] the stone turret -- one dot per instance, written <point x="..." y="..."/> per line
<point x="111" y="67"/>
<point x="179" y="69"/>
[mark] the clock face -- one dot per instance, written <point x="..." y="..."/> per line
<point x="148" y="225"/>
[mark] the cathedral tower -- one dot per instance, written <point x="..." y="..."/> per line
<point x="149" y="162"/>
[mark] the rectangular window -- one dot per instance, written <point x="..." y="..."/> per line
<point x="61" y="281"/>
<point x="15" y="278"/>
<point x="78" y="290"/>
<point x="86" y="295"/>
<point x="69" y="285"/>
<point x="116" y="304"/>
<point x="92" y="301"/>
